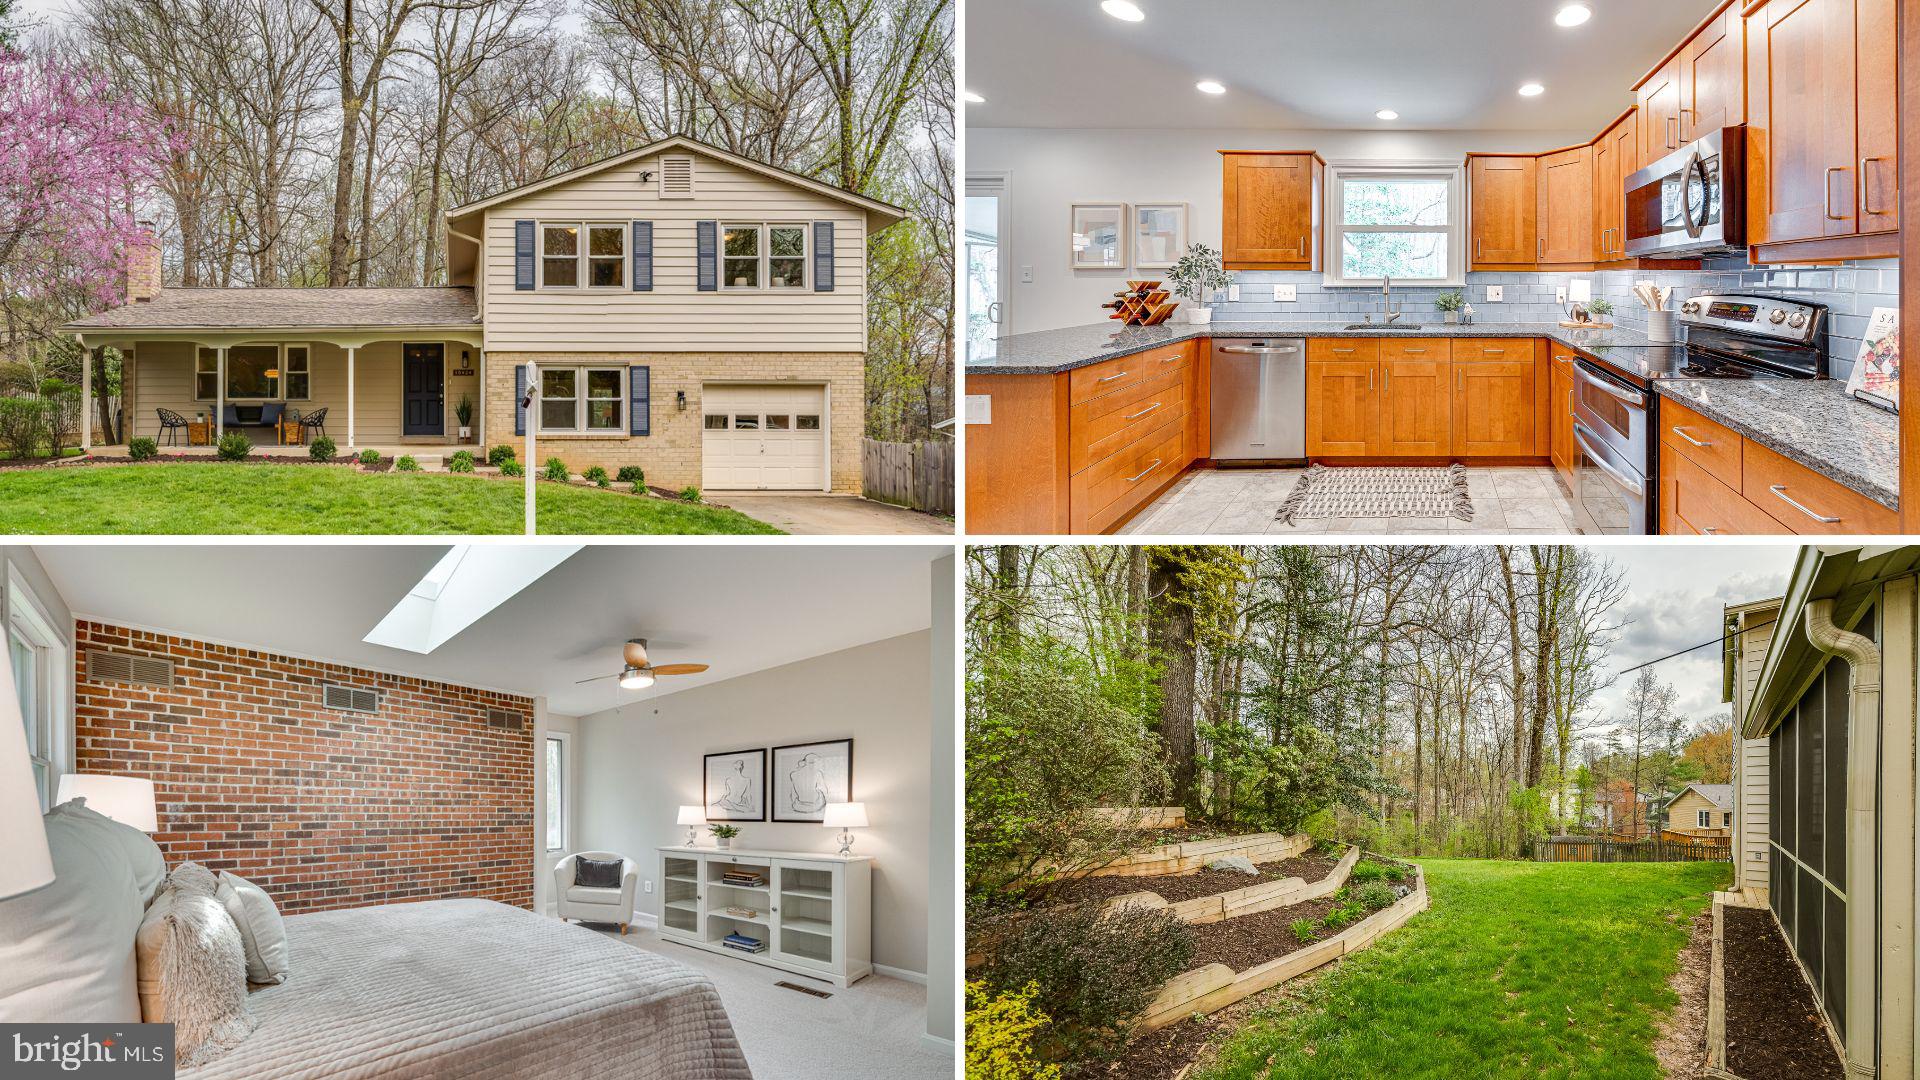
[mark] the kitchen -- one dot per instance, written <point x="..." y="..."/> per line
<point x="1513" y="267"/>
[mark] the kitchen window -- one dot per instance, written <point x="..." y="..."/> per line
<point x="775" y="255"/>
<point x="1406" y="223"/>
<point x="255" y="373"/>
<point x="583" y="400"/>
<point x="567" y="261"/>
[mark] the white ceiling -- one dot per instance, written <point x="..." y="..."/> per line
<point x="1314" y="64"/>
<point x="738" y="608"/>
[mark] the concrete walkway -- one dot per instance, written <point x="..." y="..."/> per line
<point x="809" y="514"/>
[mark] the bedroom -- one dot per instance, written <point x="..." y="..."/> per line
<point x="403" y="767"/>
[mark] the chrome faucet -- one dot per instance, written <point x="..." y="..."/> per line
<point x="1386" y="290"/>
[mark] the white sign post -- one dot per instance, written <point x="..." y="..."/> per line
<point x="526" y="404"/>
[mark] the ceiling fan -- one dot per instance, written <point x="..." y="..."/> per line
<point x="638" y="674"/>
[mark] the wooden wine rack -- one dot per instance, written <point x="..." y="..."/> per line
<point x="1144" y="303"/>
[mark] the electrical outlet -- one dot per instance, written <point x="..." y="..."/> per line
<point x="1233" y="294"/>
<point x="1026" y="274"/>
<point x="1560" y="294"/>
<point x="649" y="884"/>
<point x="979" y="408"/>
<point x="1285" y="294"/>
<point x="1495" y="294"/>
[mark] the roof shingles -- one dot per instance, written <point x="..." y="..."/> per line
<point x="291" y="309"/>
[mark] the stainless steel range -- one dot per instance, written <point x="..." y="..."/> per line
<point x="1616" y="413"/>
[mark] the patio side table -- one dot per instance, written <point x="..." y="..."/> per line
<point x="291" y="433"/>
<point x="199" y="433"/>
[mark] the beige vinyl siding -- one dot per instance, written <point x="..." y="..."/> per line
<point x="1750" y="778"/>
<point x="1683" y="816"/>
<point x="676" y="316"/>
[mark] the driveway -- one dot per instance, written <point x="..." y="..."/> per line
<point x="820" y="514"/>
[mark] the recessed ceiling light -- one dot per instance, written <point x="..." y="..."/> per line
<point x="1124" y="10"/>
<point x="972" y="98"/>
<point x="1208" y="86"/>
<point x="1573" y="15"/>
<point x="1532" y="89"/>
<point x="1387" y="114"/>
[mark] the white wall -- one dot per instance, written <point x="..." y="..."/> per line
<point x="944" y="834"/>
<point x="1049" y="170"/>
<point x="638" y="765"/>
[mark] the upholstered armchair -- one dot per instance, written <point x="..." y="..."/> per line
<point x="589" y="904"/>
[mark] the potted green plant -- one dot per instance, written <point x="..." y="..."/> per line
<point x="1600" y="308"/>
<point x="723" y="835"/>
<point x="1197" y="276"/>
<point x="464" y="411"/>
<point x="1450" y="304"/>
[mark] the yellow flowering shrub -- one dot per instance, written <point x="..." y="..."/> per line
<point x="1000" y="1031"/>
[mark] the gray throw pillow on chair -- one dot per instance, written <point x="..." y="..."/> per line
<point x="596" y="873"/>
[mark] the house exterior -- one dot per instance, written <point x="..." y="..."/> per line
<point x="1749" y="629"/>
<point x="1831" y="697"/>
<point x="1701" y="812"/>
<point x="678" y="307"/>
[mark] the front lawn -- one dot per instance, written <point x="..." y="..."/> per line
<point x="224" y="497"/>
<point x="1518" y="969"/>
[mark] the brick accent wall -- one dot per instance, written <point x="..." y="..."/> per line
<point x="429" y="797"/>
<point x="671" y="455"/>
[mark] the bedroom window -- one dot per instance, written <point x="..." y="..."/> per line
<point x="559" y="256"/>
<point x="556" y="765"/>
<point x="1407" y="223"/>
<point x="37" y="656"/>
<point x="583" y="399"/>
<point x="742" y="262"/>
<point x="764" y="256"/>
<point x="1705" y="819"/>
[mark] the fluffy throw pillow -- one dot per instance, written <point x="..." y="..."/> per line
<point x="596" y="873"/>
<point x="66" y="949"/>
<point x="193" y="968"/>
<point x="261" y="930"/>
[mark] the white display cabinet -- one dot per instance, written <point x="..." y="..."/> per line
<point x="815" y="911"/>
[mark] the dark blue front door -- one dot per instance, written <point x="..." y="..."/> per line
<point x="426" y="398"/>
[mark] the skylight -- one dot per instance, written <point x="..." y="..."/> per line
<point x="469" y="581"/>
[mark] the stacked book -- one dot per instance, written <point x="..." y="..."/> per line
<point x="742" y="912"/>
<point x="750" y="879"/>
<point x="744" y="943"/>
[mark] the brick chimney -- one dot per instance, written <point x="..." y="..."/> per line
<point x="143" y="265"/>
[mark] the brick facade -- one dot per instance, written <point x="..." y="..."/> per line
<point x="429" y="797"/>
<point x="671" y="455"/>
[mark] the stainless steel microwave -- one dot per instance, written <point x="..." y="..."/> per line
<point x="1691" y="202"/>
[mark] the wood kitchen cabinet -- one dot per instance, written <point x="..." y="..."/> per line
<point x="1562" y="450"/>
<point x="1503" y="196"/>
<point x="1713" y="481"/>
<point x="1616" y="156"/>
<point x="1343" y="397"/>
<point x="1416" y="414"/>
<point x="1271" y="207"/>
<point x="1495" y="402"/>
<point x="1379" y="398"/>
<point x="1565" y="211"/>
<point x="1713" y="75"/>
<point x="1658" y="103"/>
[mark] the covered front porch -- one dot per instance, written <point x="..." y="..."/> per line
<point x="430" y="455"/>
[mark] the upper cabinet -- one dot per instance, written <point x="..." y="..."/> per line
<point x="1713" y="78"/>
<point x="1616" y="156"/>
<point x="1270" y="210"/>
<point x="1503" y="207"/>
<point x="1565" y="213"/>
<point x="1659" y="109"/>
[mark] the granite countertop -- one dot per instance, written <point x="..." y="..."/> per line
<point x="1812" y="422"/>
<point x="1049" y="352"/>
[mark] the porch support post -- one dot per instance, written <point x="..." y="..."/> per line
<point x="352" y="398"/>
<point x="480" y="422"/>
<point x="220" y="395"/>
<point x="86" y="399"/>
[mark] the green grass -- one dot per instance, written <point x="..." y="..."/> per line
<point x="259" y="498"/>
<point x="1517" y="970"/>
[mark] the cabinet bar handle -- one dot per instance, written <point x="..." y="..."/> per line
<point x="1709" y="530"/>
<point x="1143" y="472"/>
<point x="1144" y="411"/>
<point x="1682" y="432"/>
<point x="1542" y="256"/>
<point x="1369" y="378"/>
<point x="1866" y="188"/>
<point x="1414" y="350"/>
<point x="1339" y="350"/>
<point x="1827" y="203"/>
<point x="1116" y="375"/>
<point x="1780" y="490"/>
<point x="1171" y="359"/>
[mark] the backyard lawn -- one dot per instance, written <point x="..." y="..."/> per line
<point x="1519" y="969"/>
<point x="220" y="497"/>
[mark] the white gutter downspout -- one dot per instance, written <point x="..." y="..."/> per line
<point x="1863" y="753"/>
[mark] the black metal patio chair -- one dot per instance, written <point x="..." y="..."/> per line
<point x="171" y="422"/>
<point x="312" y="422"/>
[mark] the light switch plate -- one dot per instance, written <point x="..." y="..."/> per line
<point x="1233" y="294"/>
<point x="649" y="884"/>
<point x="1285" y="294"/>
<point x="979" y="408"/>
<point x="1560" y="294"/>
<point x="1026" y="274"/>
<point x="1495" y="294"/>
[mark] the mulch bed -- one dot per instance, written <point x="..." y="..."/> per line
<point x="1203" y="882"/>
<point x="165" y="459"/>
<point x="1774" y="1026"/>
<point x="1250" y="940"/>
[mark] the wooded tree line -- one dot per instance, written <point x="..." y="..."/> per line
<point x="321" y="140"/>
<point x="1422" y="700"/>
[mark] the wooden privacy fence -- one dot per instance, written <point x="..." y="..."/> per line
<point x="917" y="475"/>
<point x="1588" y="849"/>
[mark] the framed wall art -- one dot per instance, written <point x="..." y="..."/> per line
<point x="1159" y="234"/>
<point x="734" y="787"/>
<point x="1099" y="236"/>
<point x="808" y="776"/>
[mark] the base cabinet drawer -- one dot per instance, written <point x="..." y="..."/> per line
<point x="1098" y="428"/>
<point x="1807" y="502"/>
<point x="1108" y="376"/>
<point x="1708" y="443"/>
<point x="1697" y="503"/>
<point x="1104" y="493"/>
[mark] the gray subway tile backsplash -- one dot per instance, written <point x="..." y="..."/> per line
<point x="1851" y="292"/>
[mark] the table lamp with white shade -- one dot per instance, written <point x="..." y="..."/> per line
<point x="25" y="862"/>
<point x="126" y="799"/>
<point x="692" y="817"/>
<point x="845" y="816"/>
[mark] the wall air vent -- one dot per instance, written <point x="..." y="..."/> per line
<point x="505" y="719"/>
<point x="351" y="699"/>
<point x="676" y="178"/>
<point x="103" y="666"/>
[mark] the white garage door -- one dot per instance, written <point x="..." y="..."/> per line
<point x="764" y="437"/>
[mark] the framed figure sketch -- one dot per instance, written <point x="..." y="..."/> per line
<point x="735" y="786"/>
<point x="808" y="776"/>
<point x="1099" y="236"/>
<point x="1159" y="234"/>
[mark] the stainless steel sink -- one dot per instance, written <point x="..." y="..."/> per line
<point x="1381" y="326"/>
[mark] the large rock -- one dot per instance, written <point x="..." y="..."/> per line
<point x="1239" y="863"/>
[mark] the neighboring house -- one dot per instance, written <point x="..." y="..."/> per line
<point x="1829" y="691"/>
<point x="688" y="310"/>
<point x="1700" y="811"/>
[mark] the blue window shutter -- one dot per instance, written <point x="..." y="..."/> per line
<point x="640" y="408"/>
<point x="708" y="248"/>
<point x="643" y="256"/>
<point x="519" y="399"/>
<point x="823" y="256"/>
<point x="523" y="255"/>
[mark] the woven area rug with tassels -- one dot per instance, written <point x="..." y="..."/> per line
<point x="1391" y="492"/>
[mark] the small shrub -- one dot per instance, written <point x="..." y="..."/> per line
<point x="406" y="464"/>
<point x="1367" y="871"/>
<point x="23" y="426"/>
<point x="1000" y="1033"/>
<point x="235" y="446"/>
<point x="322" y="449"/>
<point x="1398" y="873"/>
<point x="1095" y="971"/>
<point x="461" y="461"/>
<point x="1330" y="847"/>
<point x="142" y="448"/>
<point x="555" y="471"/>
<point x="632" y="474"/>
<point x="1343" y="916"/>
<point x="1374" y="895"/>
<point x="500" y="455"/>
<point x="369" y="458"/>
<point x="690" y="494"/>
<point x="511" y="467"/>
<point x="596" y="476"/>
<point x="1302" y="929"/>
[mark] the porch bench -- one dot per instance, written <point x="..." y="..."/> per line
<point x="254" y="416"/>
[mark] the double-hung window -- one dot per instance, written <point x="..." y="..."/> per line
<point x="1405" y="223"/>
<point x="576" y="253"/>
<point x="764" y="256"/>
<point x="37" y="655"/>
<point x="1704" y="818"/>
<point x="255" y="373"/>
<point x="583" y="400"/>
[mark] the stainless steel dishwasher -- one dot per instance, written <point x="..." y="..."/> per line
<point x="1258" y="397"/>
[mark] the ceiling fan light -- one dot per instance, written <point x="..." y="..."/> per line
<point x="634" y="678"/>
<point x="1209" y="86"/>
<point x="1386" y="114"/>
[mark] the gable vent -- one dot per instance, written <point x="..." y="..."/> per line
<point x="122" y="667"/>
<point x="350" y="699"/>
<point x="676" y="178"/>
<point x="505" y="719"/>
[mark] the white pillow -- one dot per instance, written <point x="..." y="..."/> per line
<point x="66" y="950"/>
<point x="193" y="968"/>
<point x="261" y="929"/>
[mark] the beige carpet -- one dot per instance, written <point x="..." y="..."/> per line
<point x="868" y="1031"/>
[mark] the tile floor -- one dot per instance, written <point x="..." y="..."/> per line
<point x="1507" y="501"/>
